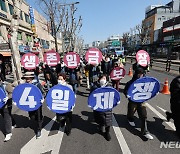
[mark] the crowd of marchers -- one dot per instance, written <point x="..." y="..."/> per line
<point x="96" y="76"/>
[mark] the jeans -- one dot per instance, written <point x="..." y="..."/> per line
<point x="9" y="121"/>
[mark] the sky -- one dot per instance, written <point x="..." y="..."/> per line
<point x="104" y="18"/>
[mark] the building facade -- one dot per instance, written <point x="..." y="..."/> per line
<point x="33" y="33"/>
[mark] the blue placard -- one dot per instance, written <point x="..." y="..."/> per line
<point x="104" y="99"/>
<point x="60" y="99"/>
<point x="143" y="89"/>
<point x="27" y="97"/>
<point x="2" y="96"/>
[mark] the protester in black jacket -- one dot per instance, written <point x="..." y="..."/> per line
<point x="140" y="107"/>
<point x="103" y="119"/>
<point x="175" y="103"/>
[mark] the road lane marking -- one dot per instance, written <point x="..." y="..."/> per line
<point x="45" y="143"/>
<point x="122" y="142"/>
<point x="162" y="109"/>
<point x="170" y="124"/>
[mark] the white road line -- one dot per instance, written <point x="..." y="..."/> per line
<point x="122" y="142"/>
<point x="45" y="143"/>
<point x="162" y="109"/>
<point x="170" y="124"/>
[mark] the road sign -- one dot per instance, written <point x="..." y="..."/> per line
<point x="60" y="99"/>
<point x="27" y="97"/>
<point x="115" y="43"/>
<point x="143" y="89"/>
<point x="104" y="99"/>
<point x="117" y="73"/>
<point x="51" y="58"/>
<point x="93" y="56"/>
<point x="29" y="61"/>
<point x="142" y="58"/>
<point x="71" y="60"/>
<point x="2" y="96"/>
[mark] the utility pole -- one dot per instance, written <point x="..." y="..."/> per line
<point x="13" y="42"/>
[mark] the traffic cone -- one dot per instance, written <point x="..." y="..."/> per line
<point x="130" y="72"/>
<point x="165" y="89"/>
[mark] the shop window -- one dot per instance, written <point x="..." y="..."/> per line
<point x="3" y="5"/>
<point x="19" y="36"/>
<point x="11" y="9"/>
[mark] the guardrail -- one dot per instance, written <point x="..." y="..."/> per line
<point x="172" y="66"/>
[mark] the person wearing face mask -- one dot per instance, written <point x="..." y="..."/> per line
<point x="37" y="114"/>
<point x="6" y="110"/>
<point x="139" y="107"/>
<point x="103" y="119"/>
<point x="65" y="118"/>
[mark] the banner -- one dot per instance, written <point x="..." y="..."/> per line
<point x="142" y="58"/>
<point x="117" y="73"/>
<point x="27" y="97"/>
<point x="51" y="58"/>
<point x="29" y="61"/>
<point x="71" y="60"/>
<point x="104" y="99"/>
<point x="93" y="56"/>
<point x="60" y="99"/>
<point x="143" y="89"/>
<point x="2" y="96"/>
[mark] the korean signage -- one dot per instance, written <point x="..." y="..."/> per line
<point x="24" y="49"/>
<point x="2" y="96"/>
<point x="142" y="58"/>
<point x="93" y="56"/>
<point x="29" y="61"/>
<point x="104" y="99"/>
<point x="27" y="97"/>
<point x="51" y="58"/>
<point x="143" y="89"/>
<point x="60" y="99"/>
<point x="31" y="13"/>
<point x="117" y="73"/>
<point x="71" y="60"/>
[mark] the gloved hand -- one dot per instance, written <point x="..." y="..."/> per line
<point x="42" y="100"/>
<point x="5" y="99"/>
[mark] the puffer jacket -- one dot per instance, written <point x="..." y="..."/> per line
<point x="102" y="118"/>
<point x="175" y="95"/>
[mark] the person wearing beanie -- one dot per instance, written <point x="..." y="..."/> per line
<point x="139" y="107"/>
<point x="103" y="119"/>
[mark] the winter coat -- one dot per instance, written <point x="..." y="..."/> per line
<point x="102" y="118"/>
<point x="175" y="96"/>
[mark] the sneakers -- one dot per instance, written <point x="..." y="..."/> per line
<point x="38" y="135"/>
<point x="13" y="127"/>
<point x="148" y="136"/>
<point x="107" y="136"/>
<point x="8" y="137"/>
<point x="132" y="123"/>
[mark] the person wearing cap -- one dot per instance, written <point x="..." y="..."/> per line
<point x="103" y="119"/>
<point x="6" y="110"/>
<point x="139" y="107"/>
<point x="65" y="118"/>
<point x="37" y="114"/>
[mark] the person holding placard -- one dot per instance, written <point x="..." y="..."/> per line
<point x="64" y="118"/>
<point x="103" y="119"/>
<point x="36" y="114"/>
<point x="135" y="106"/>
<point x="6" y="110"/>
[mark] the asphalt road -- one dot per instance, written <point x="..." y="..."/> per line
<point x="85" y="138"/>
